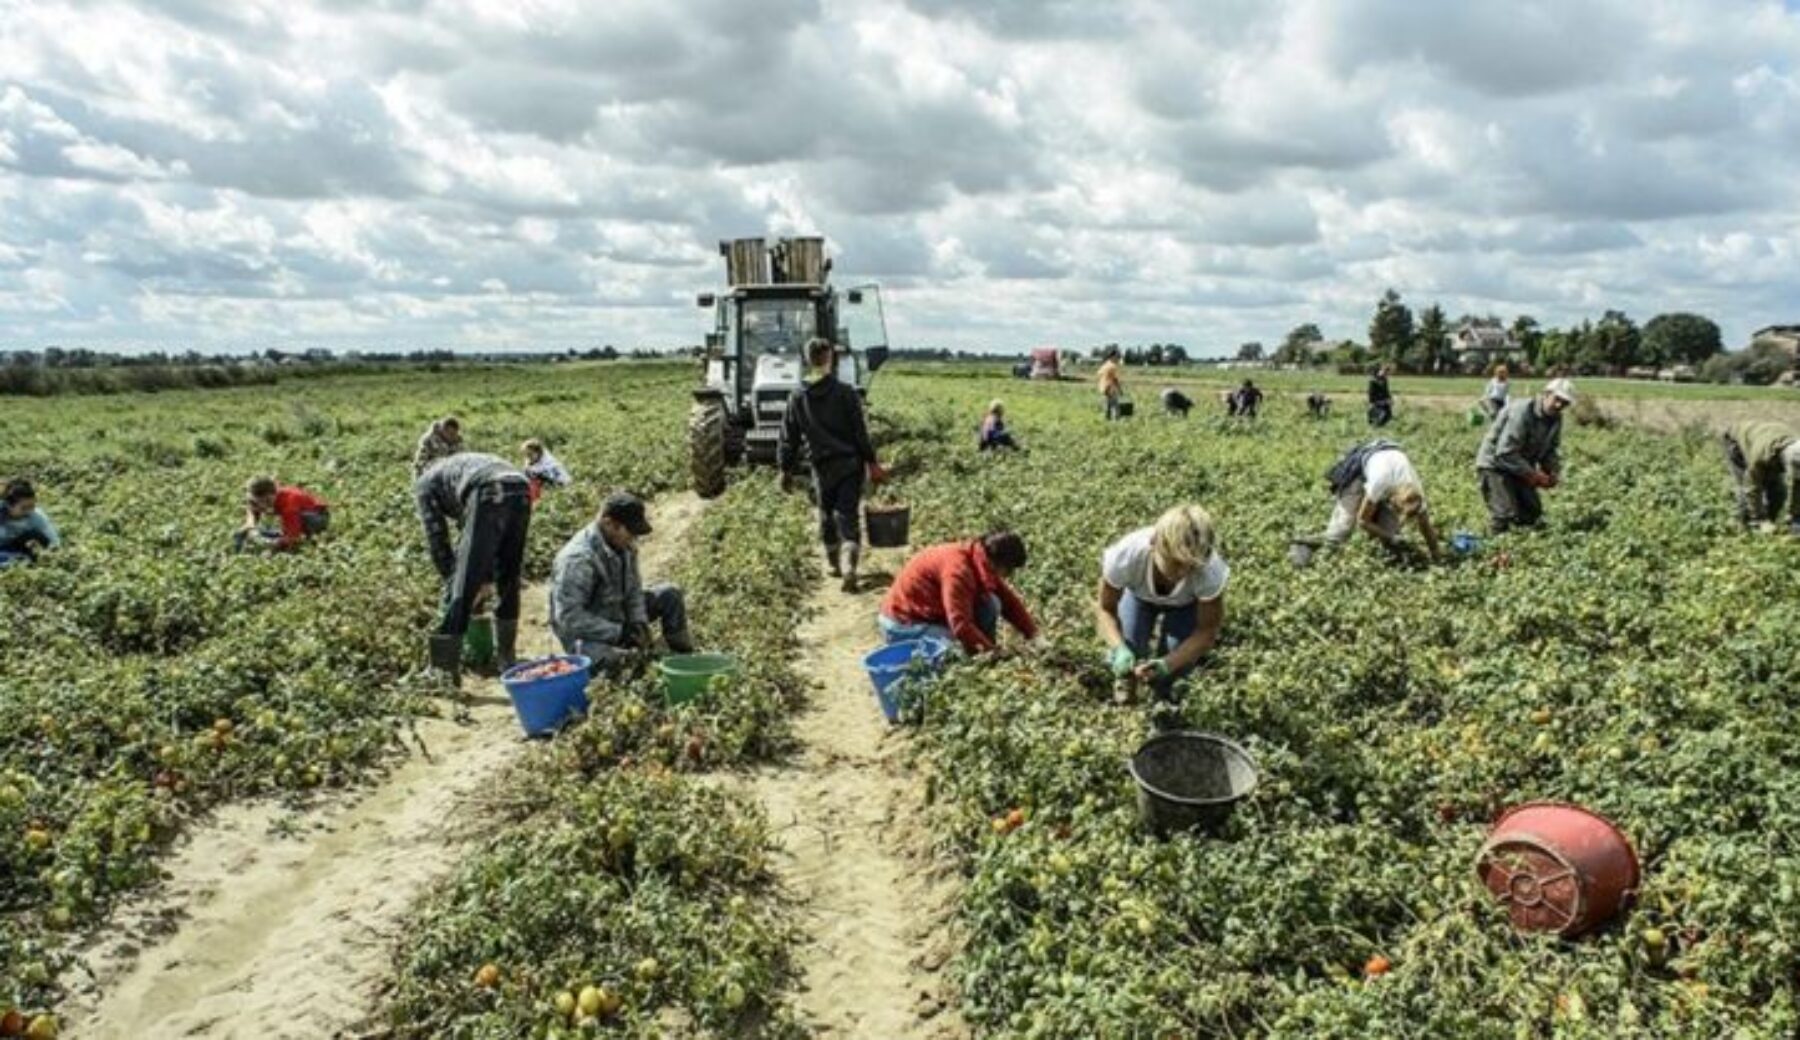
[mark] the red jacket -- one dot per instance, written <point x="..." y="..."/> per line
<point x="943" y="584"/>
<point x="290" y="502"/>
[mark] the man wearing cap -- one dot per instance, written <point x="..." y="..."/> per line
<point x="1518" y="457"/>
<point x="1765" y="462"/>
<point x="489" y="497"/>
<point x="599" y="606"/>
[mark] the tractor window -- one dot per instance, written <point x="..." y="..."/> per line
<point x="778" y="326"/>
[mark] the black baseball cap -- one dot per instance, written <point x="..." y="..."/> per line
<point x="627" y="509"/>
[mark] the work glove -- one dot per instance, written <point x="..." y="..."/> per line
<point x="1152" y="670"/>
<point x="878" y="473"/>
<point x="1121" y="660"/>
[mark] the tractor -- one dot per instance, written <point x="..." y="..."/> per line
<point x="777" y="299"/>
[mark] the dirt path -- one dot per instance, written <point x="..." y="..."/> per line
<point x="848" y="814"/>
<point x="257" y="935"/>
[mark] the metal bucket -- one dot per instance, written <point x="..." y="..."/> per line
<point x="1187" y="780"/>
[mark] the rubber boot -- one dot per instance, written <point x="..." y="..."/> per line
<point x="506" y="642"/>
<point x="851" y="554"/>
<point x="679" y="642"/>
<point x="446" y="657"/>
<point x="832" y="549"/>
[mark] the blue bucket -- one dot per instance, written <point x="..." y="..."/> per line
<point x="1462" y="543"/>
<point x="545" y="704"/>
<point x="888" y="665"/>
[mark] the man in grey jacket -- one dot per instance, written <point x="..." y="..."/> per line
<point x="1518" y="457"/>
<point x="489" y="498"/>
<point x="599" y="606"/>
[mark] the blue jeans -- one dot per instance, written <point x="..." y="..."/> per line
<point x="987" y="618"/>
<point x="1139" y="622"/>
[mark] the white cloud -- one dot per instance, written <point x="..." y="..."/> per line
<point x="557" y="172"/>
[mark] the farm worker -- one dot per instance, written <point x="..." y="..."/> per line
<point x="24" y="528"/>
<point x="599" y="606"/>
<point x="490" y="500"/>
<point x="542" y="468"/>
<point x="1493" y="399"/>
<point x="959" y="591"/>
<point x="301" y="514"/>
<point x="1377" y="490"/>
<point x="994" y="434"/>
<point x="1765" y="462"/>
<point x="1175" y="402"/>
<point x="1518" y="457"/>
<point x="1168" y="577"/>
<point x="441" y="441"/>
<point x="828" y="417"/>
<point x="1111" y="389"/>
<point x="1246" y="400"/>
<point x="1318" y="405"/>
<point x="1381" y="399"/>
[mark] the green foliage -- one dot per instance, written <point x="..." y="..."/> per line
<point x="1391" y="330"/>
<point x="1679" y="339"/>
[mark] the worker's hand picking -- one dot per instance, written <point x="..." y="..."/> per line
<point x="1151" y="670"/>
<point x="1121" y="660"/>
<point x="878" y="473"/>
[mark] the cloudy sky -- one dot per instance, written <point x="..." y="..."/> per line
<point x="529" y="173"/>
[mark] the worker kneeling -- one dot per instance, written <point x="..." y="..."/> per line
<point x="959" y="591"/>
<point x="599" y="606"/>
<point x="1377" y="490"/>
<point x="1162" y="598"/>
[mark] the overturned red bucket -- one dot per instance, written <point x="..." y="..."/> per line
<point x="1558" y="868"/>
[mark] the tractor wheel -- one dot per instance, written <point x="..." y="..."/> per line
<point x="734" y="444"/>
<point x="706" y="447"/>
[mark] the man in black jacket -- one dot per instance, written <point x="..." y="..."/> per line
<point x="490" y="498"/>
<point x="1381" y="399"/>
<point x="828" y="417"/>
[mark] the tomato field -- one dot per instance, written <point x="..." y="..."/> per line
<point x="1637" y="656"/>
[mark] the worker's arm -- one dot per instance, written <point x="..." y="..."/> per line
<point x="47" y="529"/>
<point x="1206" y="634"/>
<point x="1428" y="531"/>
<point x="572" y="589"/>
<point x="788" y="447"/>
<point x="865" y="448"/>
<point x="637" y="612"/>
<point x="1106" y="614"/>
<point x="960" y="590"/>
<point x="1013" y="609"/>
<point x="250" y="519"/>
<point x="437" y="530"/>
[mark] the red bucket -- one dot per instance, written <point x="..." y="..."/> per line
<point x="1558" y="868"/>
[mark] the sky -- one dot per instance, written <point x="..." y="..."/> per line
<point x="531" y="174"/>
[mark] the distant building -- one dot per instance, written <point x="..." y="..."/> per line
<point x="1478" y="347"/>
<point x="1787" y="337"/>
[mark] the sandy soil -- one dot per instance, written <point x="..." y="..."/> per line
<point x="849" y="816"/>
<point x="275" y="924"/>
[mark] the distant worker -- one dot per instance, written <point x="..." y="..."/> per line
<point x="300" y="513"/>
<point x="490" y="499"/>
<point x="1112" y="388"/>
<point x="1318" y="405"/>
<point x="25" y="530"/>
<point x="959" y="592"/>
<point x="1377" y="490"/>
<point x="1518" y="457"/>
<point x="827" y="418"/>
<point x="1765" y="464"/>
<point x="1493" y="398"/>
<point x="1162" y="598"/>
<point x="542" y="469"/>
<point x="1381" y="399"/>
<point x="1245" y="400"/>
<point x="441" y="441"/>
<point x="994" y="434"/>
<point x="1175" y="402"/>
<point x="599" y="606"/>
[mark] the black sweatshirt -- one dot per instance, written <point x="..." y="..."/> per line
<point x="828" y="415"/>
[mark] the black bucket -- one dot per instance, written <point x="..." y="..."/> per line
<point x="889" y="526"/>
<point x="1126" y="409"/>
<point x="1187" y="780"/>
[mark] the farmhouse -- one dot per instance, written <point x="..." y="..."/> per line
<point x="1787" y="337"/>
<point x="1479" y="346"/>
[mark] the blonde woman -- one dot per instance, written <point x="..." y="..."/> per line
<point x="994" y="434"/>
<point x="1377" y="491"/>
<point x="1162" y="598"/>
<point x="1493" y="398"/>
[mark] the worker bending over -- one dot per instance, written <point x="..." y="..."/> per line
<point x="827" y="418"/>
<point x="1377" y="490"/>
<point x="599" y="606"/>
<point x="300" y="513"/>
<point x="490" y="499"/>
<point x="959" y="591"/>
<point x="1518" y="456"/>
<point x="542" y="468"/>
<point x="1162" y="598"/>
<point x="1765" y="463"/>
<point x="441" y="441"/>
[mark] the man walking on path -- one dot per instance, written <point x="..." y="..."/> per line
<point x="1518" y="457"/>
<point x="599" y="606"/>
<point x="827" y="417"/>
<point x="1764" y="458"/>
<point x="491" y="500"/>
<point x="301" y="513"/>
<point x="441" y="441"/>
<point x="959" y="591"/>
<point x="1112" y="390"/>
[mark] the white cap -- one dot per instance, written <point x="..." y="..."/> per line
<point x="1561" y="388"/>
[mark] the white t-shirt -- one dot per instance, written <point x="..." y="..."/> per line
<point x="1385" y="471"/>
<point x="1126" y="566"/>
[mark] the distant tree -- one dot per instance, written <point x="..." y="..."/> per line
<point x="1431" y="343"/>
<point x="1528" y="336"/>
<point x="1680" y="338"/>
<point x="1250" y="352"/>
<point x="1391" y="330"/>
<point x="1174" y="354"/>
<point x="1154" y="356"/>
<point x="1614" y="341"/>
<point x="1299" y="346"/>
<point x="1761" y="364"/>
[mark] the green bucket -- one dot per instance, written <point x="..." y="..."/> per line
<point x="478" y="643"/>
<point x="686" y="676"/>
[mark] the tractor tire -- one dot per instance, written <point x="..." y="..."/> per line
<point x="706" y="447"/>
<point x="734" y="444"/>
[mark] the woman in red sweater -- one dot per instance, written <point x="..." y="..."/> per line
<point x="959" y="591"/>
<point x="301" y="513"/>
